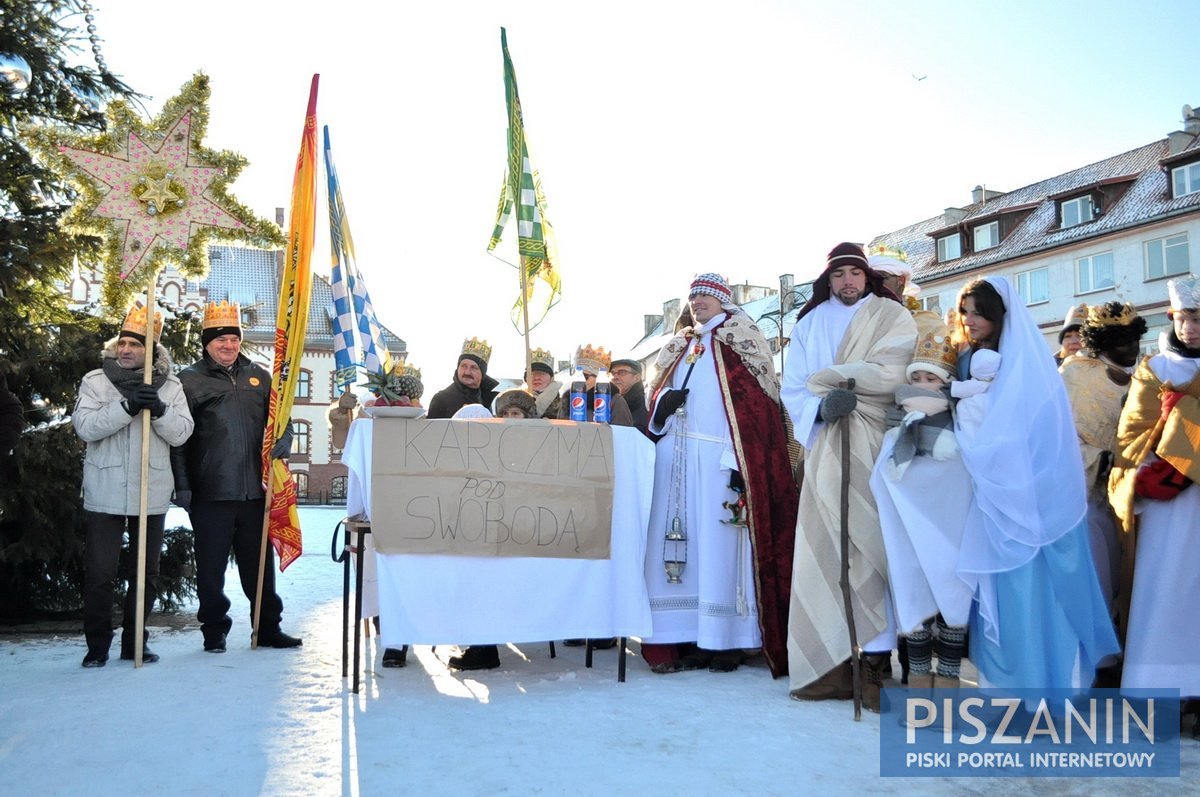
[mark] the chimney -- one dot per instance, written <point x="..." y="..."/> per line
<point x="787" y="299"/>
<point x="954" y="216"/>
<point x="1191" y="120"/>
<point x="980" y="194"/>
<point x="670" y="315"/>
<point x="651" y="321"/>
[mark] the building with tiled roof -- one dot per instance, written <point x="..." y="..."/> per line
<point x="1114" y="230"/>
<point x="250" y="277"/>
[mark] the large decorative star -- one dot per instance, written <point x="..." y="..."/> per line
<point x="153" y="192"/>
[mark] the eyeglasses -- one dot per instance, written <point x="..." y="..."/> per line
<point x="622" y="372"/>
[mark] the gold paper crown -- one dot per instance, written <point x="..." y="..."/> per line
<point x="888" y="251"/>
<point x="135" y="322"/>
<point x="934" y="347"/>
<point x="407" y="369"/>
<point x="225" y="314"/>
<point x="543" y="357"/>
<point x="1099" y="315"/>
<point x="476" y="348"/>
<point x="592" y="358"/>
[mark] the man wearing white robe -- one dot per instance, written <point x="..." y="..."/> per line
<point x="852" y="329"/>
<point x="716" y="405"/>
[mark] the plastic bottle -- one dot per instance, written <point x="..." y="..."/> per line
<point x="602" y="404"/>
<point x="578" y="395"/>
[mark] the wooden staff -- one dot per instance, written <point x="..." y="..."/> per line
<point x="262" y="551"/>
<point x="525" y="319"/>
<point x="139" y="625"/>
<point x="844" y="581"/>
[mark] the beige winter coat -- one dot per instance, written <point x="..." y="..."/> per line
<point x="112" y="465"/>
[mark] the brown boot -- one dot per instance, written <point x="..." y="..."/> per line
<point x="872" y="679"/>
<point x="920" y="680"/>
<point x="837" y="684"/>
<point x="942" y="682"/>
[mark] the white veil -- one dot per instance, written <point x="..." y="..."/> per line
<point x="1025" y="460"/>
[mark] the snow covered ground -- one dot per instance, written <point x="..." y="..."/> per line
<point x="284" y="722"/>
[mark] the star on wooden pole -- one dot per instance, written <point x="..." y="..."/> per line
<point x="153" y="191"/>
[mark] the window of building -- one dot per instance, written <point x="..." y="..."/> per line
<point x="1077" y="210"/>
<point x="949" y="247"/>
<point x="1185" y="179"/>
<point x="939" y="302"/>
<point x="301" y="438"/>
<point x="304" y="384"/>
<point x="1094" y="272"/>
<point x="337" y="487"/>
<point x="987" y="236"/>
<point x="301" y="483"/>
<point x="1034" y="286"/>
<point x="171" y="293"/>
<point x="1167" y="256"/>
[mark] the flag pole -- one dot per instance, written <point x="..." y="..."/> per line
<point x="139" y="624"/>
<point x="525" y="320"/>
<point x="262" y="561"/>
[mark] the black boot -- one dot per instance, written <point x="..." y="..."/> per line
<point x="872" y="666"/>
<point x="395" y="657"/>
<point x="95" y="658"/>
<point x="477" y="657"/>
<point x="127" y="640"/>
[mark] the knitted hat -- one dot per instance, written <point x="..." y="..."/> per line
<point x="542" y="361"/>
<point x="842" y="255"/>
<point x="477" y="351"/>
<point x="592" y="359"/>
<point x="711" y="284"/>
<point x="934" y="352"/>
<point x="221" y="319"/>
<point x="1074" y="320"/>
<point x="134" y="325"/>
<point x="632" y="365"/>
<point x="1184" y="293"/>
<point x="845" y="254"/>
<point x="516" y="398"/>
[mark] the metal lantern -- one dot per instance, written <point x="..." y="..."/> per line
<point x="675" y="551"/>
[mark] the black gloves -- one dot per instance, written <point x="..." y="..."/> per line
<point x="838" y="403"/>
<point x="283" y="446"/>
<point x="670" y="401"/>
<point x="183" y="500"/>
<point x="145" y="397"/>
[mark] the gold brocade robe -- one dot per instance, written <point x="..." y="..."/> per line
<point x="1096" y="406"/>
<point x="1143" y="431"/>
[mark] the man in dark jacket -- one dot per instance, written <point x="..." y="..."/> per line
<point x="627" y="376"/>
<point x="218" y="478"/>
<point x="471" y="383"/>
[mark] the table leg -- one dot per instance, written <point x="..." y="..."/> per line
<point x="587" y="655"/>
<point x="621" y="661"/>
<point x="346" y="601"/>
<point x="358" y="582"/>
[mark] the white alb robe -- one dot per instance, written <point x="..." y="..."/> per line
<point x="715" y="606"/>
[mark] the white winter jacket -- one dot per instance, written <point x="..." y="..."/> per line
<point x="112" y="465"/>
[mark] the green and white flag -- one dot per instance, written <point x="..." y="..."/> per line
<point x="535" y="237"/>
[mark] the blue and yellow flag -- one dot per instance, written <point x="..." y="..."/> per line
<point x="535" y="238"/>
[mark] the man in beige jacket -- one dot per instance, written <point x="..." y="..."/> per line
<point x="108" y="417"/>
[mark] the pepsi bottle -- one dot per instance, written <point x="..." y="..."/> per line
<point x="602" y="403"/>
<point x="578" y="395"/>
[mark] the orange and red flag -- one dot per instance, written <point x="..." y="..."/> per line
<point x="291" y="321"/>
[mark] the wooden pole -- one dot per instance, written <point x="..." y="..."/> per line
<point x="855" y="667"/>
<point x="262" y="552"/>
<point x="139" y="624"/>
<point x="525" y="319"/>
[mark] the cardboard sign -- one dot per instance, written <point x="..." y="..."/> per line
<point x="492" y="488"/>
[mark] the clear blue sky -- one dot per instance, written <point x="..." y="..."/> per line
<point x="672" y="137"/>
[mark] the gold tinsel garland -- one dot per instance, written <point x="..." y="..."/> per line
<point x="123" y="120"/>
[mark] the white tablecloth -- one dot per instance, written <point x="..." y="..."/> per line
<point x="466" y="600"/>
